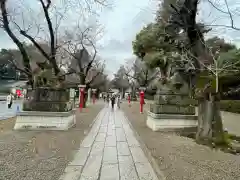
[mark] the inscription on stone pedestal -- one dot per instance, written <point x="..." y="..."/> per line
<point x="46" y="99"/>
<point x="46" y="127"/>
<point x="172" y="109"/>
<point x="168" y="101"/>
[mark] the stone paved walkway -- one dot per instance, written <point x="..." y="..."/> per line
<point x="110" y="152"/>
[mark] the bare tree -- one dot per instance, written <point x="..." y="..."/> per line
<point x="52" y="20"/>
<point x="141" y="73"/>
<point x="80" y="45"/>
<point x="121" y="80"/>
<point x="48" y="56"/>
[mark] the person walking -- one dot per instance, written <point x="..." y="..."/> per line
<point x="108" y="98"/>
<point x="118" y="101"/>
<point x="9" y="100"/>
<point x="113" y="101"/>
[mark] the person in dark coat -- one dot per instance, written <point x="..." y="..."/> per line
<point x="113" y="101"/>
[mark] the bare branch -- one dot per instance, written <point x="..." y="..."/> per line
<point x="19" y="69"/>
<point x="22" y="32"/>
<point x="213" y="5"/>
<point x="48" y="4"/>
<point x="221" y="25"/>
<point x="228" y="12"/>
<point x="95" y="76"/>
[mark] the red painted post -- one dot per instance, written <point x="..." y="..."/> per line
<point x="81" y="96"/>
<point x="129" y="100"/>
<point x="141" y="101"/>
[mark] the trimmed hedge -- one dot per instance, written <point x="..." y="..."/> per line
<point x="230" y="106"/>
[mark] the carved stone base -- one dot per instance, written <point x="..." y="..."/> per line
<point x="172" y="109"/>
<point x="35" y="120"/>
<point x="47" y="100"/>
<point x="48" y="106"/>
<point x="171" y="122"/>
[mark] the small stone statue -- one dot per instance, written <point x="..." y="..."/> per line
<point x="45" y="76"/>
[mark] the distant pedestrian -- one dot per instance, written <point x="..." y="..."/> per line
<point x="118" y="101"/>
<point x="108" y="98"/>
<point x="113" y="101"/>
<point x="9" y="100"/>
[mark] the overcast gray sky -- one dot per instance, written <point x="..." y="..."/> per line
<point x="127" y="17"/>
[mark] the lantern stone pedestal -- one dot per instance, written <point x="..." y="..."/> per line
<point x="173" y="109"/>
<point x="46" y="109"/>
<point x="172" y="115"/>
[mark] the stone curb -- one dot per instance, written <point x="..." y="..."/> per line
<point x="96" y="118"/>
<point x="147" y="153"/>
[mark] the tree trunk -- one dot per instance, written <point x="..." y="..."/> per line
<point x="210" y="127"/>
<point x="133" y="94"/>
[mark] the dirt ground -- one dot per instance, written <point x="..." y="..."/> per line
<point x="180" y="158"/>
<point x="26" y="155"/>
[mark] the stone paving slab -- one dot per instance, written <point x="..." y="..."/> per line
<point x="110" y="152"/>
<point x="110" y="155"/>
<point x="72" y="173"/>
<point x="127" y="168"/>
<point x="123" y="149"/>
<point x="110" y="172"/>
<point x="111" y="141"/>
<point x="80" y="157"/>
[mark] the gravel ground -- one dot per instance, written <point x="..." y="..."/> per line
<point x="41" y="155"/>
<point x="180" y="158"/>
